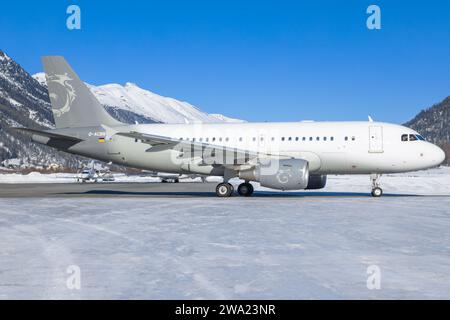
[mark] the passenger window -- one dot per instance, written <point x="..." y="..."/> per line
<point x="290" y="138"/>
<point x="404" y="137"/>
<point x="261" y="139"/>
<point x="324" y="138"/>
<point x="353" y="138"/>
<point x="273" y="139"/>
<point x="412" y="137"/>
<point x="332" y="138"/>
<point x="296" y="138"/>
<point x="240" y="139"/>
<point x="318" y="138"/>
<point x="310" y="138"/>
<point x="213" y="139"/>
<point x="346" y="139"/>
<point x="254" y="139"/>
<point x="304" y="138"/>
<point x="282" y="139"/>
<point x="220" y="139"/>
<point x="226" y="139"/>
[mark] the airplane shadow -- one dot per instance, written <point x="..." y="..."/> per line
<point x="257" y="194"/>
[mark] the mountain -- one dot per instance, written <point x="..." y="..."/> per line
<point x="434" y="124"/>
<point x="24" y="101"/>
<point x="152" y="107"/>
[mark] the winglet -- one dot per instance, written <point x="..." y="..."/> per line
<point x="370" y="119"/>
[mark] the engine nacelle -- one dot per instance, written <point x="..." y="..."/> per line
<point x="317" y="181"/>
<point x="285" y="174"/>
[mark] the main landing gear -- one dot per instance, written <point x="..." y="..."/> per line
<point x="226" y="189"/>
<point x="245" y="189"/>
<point x="376" y="190"/>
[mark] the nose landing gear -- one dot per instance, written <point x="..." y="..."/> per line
<point x="376" y="190"/>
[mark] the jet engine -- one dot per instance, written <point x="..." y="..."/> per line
<point x="284" y="174"/>
<point x="317" y="181"/>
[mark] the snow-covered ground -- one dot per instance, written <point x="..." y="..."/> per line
<point x="262" y="247"/>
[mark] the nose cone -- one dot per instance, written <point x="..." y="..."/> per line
<point x="438" y="155"/>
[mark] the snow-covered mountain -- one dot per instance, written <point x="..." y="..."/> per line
<point x="154" y="107"/>
<point x="24" y="102"/>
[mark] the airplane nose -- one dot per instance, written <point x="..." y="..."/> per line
<point x="439" y="155"/>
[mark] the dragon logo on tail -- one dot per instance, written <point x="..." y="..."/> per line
<point x="63" y="93"/>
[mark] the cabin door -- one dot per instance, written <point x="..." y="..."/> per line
<point x="375" y="139"/>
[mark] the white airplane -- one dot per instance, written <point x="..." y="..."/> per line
<point x="283" y="156"/>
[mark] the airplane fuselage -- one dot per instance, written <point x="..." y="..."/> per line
<point x="329" y="147"/>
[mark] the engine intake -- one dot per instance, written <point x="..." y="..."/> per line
<point x="285" y="174"/>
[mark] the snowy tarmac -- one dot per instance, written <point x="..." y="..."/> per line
<point x="147" y="242"/>
<point x="160" y="190"/>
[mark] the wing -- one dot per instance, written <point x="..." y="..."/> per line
<point x="209" y="154"/>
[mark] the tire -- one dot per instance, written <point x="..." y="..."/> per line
<point x="377" y="192"/>
<point x="245" y="189"/>
<point x="224" y="190"/>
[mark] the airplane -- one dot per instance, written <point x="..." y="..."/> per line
<point x="278" y="155"/>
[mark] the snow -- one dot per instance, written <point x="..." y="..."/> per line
<point x="4" y="56"/>
<point x="317" y="247"/>
<point x="132" y="98"/>
<point x="40" y="77"/>
<point x="37" y="177"/>
<point x="221" y="249"/>
<point x="223" y="118"/>
<point x="13" y="102"/>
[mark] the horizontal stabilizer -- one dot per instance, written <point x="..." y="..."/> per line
<point x="48" y="134"/>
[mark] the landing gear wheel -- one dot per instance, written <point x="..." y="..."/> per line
<point x="224" y="189"/>
<point x="245" y="189"/>
<point x="377" y="192"/>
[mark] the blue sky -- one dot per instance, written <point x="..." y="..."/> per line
<point x="255" y="60"/>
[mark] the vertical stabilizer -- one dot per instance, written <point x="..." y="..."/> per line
<point x="73" y="104"/>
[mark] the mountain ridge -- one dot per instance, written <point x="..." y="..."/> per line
<point x="132" y="98"/>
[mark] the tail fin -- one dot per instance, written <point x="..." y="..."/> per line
<point x="73" y="104"/>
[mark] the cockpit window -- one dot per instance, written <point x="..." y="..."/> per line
<point x="412" y="137"/>
<point x="420" y="137"/>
